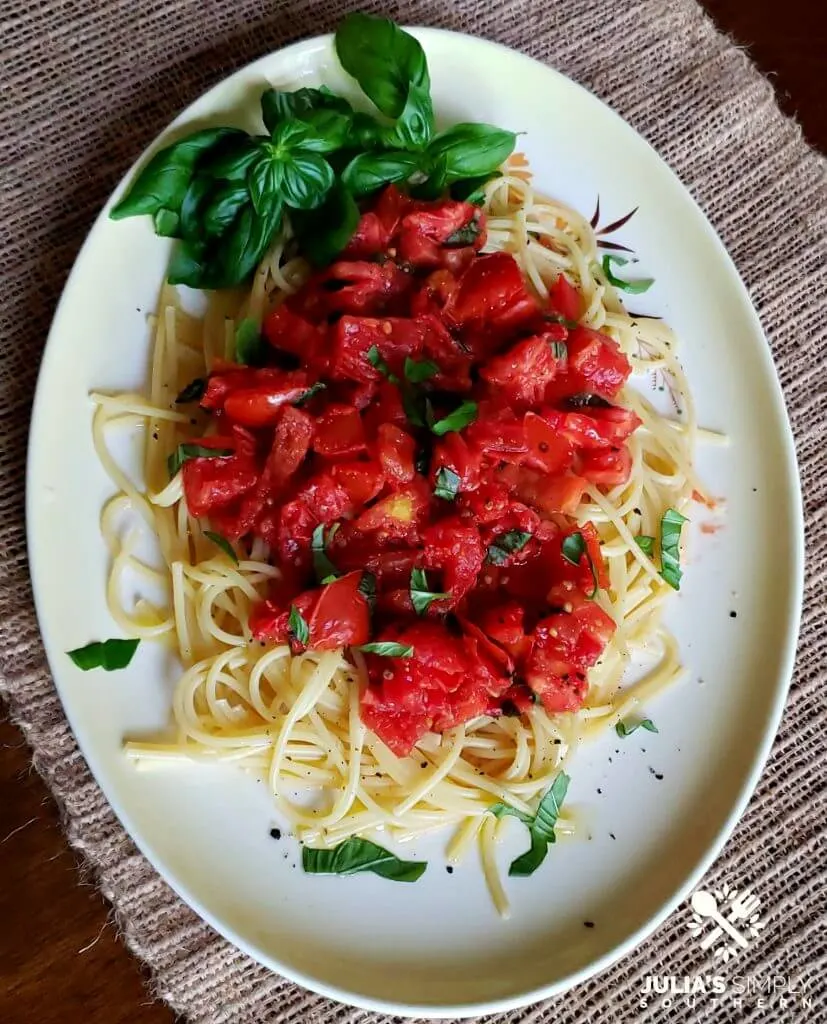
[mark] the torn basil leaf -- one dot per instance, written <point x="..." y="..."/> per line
<point x="356" y="855"/>
<point x="466" y="235"/>
<point x="297" y="626"/>
<point x="421" y="595"/>
<point x="222" y="543"/>
<point x="418" y="372"/>
<point x="506" y="544"/>
<point x="625" y="728"/>
<point x="387" y="649"/>
<point x="375" y="359"/>
<point x="540" y="826"/>
<point x="447" y="484"/>
<point x="367" y="588"/>
<point x="110" y="655"/>
<point x="185" y="451"/>
<point x="573" y="549"/>
<point x="311" y="391"/>
<point x="461" y="416"/>
<point x="670" y="547"/>
<point x="325" y="570"/>
<point x="646" y="544"/>
<point x="250" y="346"/>
<point x="637" y="287"/>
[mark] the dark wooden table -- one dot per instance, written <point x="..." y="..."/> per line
<point x="60" y="959"/>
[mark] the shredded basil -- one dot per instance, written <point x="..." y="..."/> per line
<point x="109" y="655"/>
<point x="297" y="626"/>
<point x="459" y="418"/>
<point x="311" y="391"/>
<point x="325" y="570"/>
<point x="422" y="597"/>
<point x="670" y="547"/>
<point x="540" y="827"/>
<point x="637" y="287"/>
<point x="418" y="372"/>
<point x="222" y="543"/>
<point x="506" y="544"/>
<point x="184" y="452"/>
<point x="355" y="855"/>
<point x="447" y="484"/>
<point x="387" y="649"/>
<point x="250" y="346"/>
<point x="374" y="357"/>
<point x="559" y="349"/>
<point x="624" y="729"/>
<point x="573" y="549"/>
<point x="367" y="588"/>
<point x="646" y="544"/>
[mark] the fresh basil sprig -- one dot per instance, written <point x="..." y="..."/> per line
<point x="506" y="544"/>
<point x="541" y="826"/>
<point x="110" y="655"/>
<point x="670" y="547"/>
<point x="421" y="595"/>
<point x="417" y="372"/>
<point x="355" y="855"/>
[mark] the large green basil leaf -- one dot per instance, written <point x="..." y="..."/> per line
<point x="384" y="60"/>
<point x="222" y="208"/>
<point x="277" y="106"/>
<point x="415" y="125"/>
<point x="303" y="180"/>
<point x="323" y="233"/>
<point x="369" y="171"/>
<point x="229" y="162"/>
<point x="471" y="150"/>
<point x="163" y="182"/>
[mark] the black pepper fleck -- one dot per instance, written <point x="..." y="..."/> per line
<point x="612" y="835"/>
<point x="600" y="792"/>
<point x="275" y="833"/>
<point x="449" y="869"/>
<point x="588" y="924"/>
<point x="424" y="764"/>
<point x="733" y="615"/>
<point x="658" y="775"/>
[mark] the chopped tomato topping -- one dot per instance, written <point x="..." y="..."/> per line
<point x="440" y="424"/>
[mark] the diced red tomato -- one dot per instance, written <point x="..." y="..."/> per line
<point x="483" y="512"/>
<point x="565" y="299"/>
<point x="607" y="468"/>
<point x="396" y="450"/>
<point x="339" y="433"/>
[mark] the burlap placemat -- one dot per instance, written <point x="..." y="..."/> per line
<point x="86" y="84"/>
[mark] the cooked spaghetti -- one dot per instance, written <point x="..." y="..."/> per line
<point x="293" y="718"/>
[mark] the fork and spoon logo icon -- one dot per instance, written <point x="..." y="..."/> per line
<point x="724" y="908"/>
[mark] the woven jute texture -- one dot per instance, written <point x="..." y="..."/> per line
<point x="86" y="84"/>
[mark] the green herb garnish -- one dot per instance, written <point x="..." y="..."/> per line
<point x="109" y="655"/>
<point x="421" y="595"/>
<point x="374" y="357"/>
<point x="573" y="549"/>
<point x="643" y="284"/>
<point x="447" y="484"/>
<point x="297" y="627"/>
<point x="356" y="855"/>
<point x="185" y="451"/>
<point x="506" y="544"/>
<point x="417" y="372"/>
<point x="455" y="421"/>
<point x="541" y="826"/>
<point x="387" y="649"/>
<point x="670" y="547"/>
<point x="624" y="728"/>
<point x="326" y="571"/>
<point x="222" y="543"/>
<point x="646" y="544"/>
<point x="250" y="346"/>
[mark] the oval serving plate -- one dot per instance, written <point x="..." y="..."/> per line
<point x="652" y="812"/>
